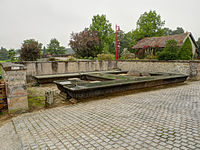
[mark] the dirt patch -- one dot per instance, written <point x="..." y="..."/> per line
<point x="4" y="117"/>
<point x="36" y="96"/>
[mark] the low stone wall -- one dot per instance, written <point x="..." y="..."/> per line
<point x="191" y="68"/>
<point x="60" y="67"/>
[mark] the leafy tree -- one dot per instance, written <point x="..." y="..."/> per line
<point x="85" y="43"/>
<point x="54" y="47"/>
<point x="149" y="25"/>
<point x="179" y="30"/>
<point x="130" y="39"/>
<point x="186" y="50"/>
<point x="4" y="54"/>
<point x="170" y="52"/>
<point x="198" y="51"/>
<point x="168" y="31"/>
<point x="125" y="41"/>
<point x="105" y="32"/>
<point x="198" y="42"/>
<point x="11" y="54"/>
<point x="30" y="50"/>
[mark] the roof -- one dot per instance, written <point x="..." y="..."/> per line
<point x="160" y="41"/>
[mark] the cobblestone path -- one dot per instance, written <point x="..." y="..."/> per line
<point x="162" y="119"/>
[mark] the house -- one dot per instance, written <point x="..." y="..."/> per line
<point x="148" y="45"/>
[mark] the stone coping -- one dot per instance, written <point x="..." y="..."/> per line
<point x="140" y="60"/>
<point x="9" y="66"/>
<point x="77" y="74"/>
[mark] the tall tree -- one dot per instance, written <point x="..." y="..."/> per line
<point x="149" y="25"/>
<point x="125" y="41"/>
<point x="85" y="43"/>
<point x="104" y="30"/>
<point x="11" y="54"/>
<point x="30" y="50"/>
<point x="54" y="47"/>
<point x="4" y="54"/>
<point x="179" y="30"/>
<point x="168" y="31"/>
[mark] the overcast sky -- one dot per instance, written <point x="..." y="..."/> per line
<point x="46" y="19"/>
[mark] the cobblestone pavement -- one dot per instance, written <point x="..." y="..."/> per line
<point x="162" y="119"/>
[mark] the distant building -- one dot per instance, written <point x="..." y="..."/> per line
<point x="146" y="44"/>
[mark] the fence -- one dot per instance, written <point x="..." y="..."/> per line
<point x="3" y="101"/>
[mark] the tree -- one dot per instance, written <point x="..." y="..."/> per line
<point x="85" y="43"/>
<point x="54" y="47"/>
<point x="186" y="50"/>
<point x="30" y="50"/>
<point x="11" y="54"/>
<point x="149" y="25"/>
<point x="124" y="41"/>
<point x="170" y="52"/>
<point x="4" y="54"/>
<point x="168" y="31"/>
<point x="198" y="51"/>
<point x="104" y="31"/>
<point x="179" y="30"/>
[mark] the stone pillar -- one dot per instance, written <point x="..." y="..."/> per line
<point x="14" y="76"/>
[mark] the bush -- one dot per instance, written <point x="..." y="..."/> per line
<point x="51" y="59"/>
<point x="71" y="58"/>
<point x="127" y="55"/>
<point x="150" y="57"/>
<point x="170" y="52"/>
<point x="105" y="57"/>
<point x="90" y="58"/>
<point x="186" y="50"/>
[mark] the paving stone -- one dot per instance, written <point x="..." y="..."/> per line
<point x="161" y="119"/>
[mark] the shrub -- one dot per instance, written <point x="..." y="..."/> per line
<point x="90" y="58"/>
<point x="71" y="58"/>
<point x="170" y="52"/>
<point x="127" y="55"/>
<point x="186" y="50"/>
<point x="51" y="59"/>
<point x="150" y="57"/>
<point x="105" y="57"/>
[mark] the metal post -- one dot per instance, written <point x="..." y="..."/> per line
<point x="117" y="29"/>
<point x="116" y="43"/>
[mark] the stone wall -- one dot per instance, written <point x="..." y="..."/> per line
<point x="60" y="67"/>
<point x="14" y="76"/>
<point x="191" y="68"/>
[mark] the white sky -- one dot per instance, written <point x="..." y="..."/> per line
<point x="46" y="19"/>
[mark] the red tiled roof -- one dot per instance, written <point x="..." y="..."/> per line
<point x="160" y="41"/>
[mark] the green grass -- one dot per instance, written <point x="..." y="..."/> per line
<point x="5" y="60"/>
<point x="36" y="102"/>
